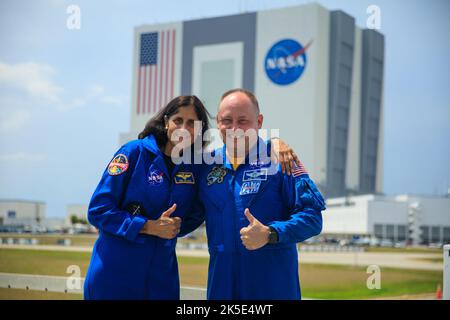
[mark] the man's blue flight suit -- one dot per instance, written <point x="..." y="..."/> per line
<point x="291" y="205"/>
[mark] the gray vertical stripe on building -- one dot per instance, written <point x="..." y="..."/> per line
<point x="342" y="40"/>
<point x="371" y="93"/>
<point x="234" y="28"/>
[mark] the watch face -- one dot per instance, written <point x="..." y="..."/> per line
<point x="273" y="237"/>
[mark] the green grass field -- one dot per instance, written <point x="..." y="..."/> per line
<point x="317" y="281"/>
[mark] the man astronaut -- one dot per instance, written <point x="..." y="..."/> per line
<point x="255" y="215"/>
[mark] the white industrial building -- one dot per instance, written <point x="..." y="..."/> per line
<point x="403" y="218"/>
<point x="21" y="212"/>
<point x="27" y="215"/>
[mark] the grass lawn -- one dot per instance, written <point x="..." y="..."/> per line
<point x="42" y="262"/>
<point x="317" y="280"/>
<point x="347" y="282"/>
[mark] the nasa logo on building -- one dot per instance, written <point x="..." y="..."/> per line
<point x="286" y="61"/>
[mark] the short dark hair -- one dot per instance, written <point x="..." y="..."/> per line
<point x="156" y="125"/>
<point x="249" y="94"/>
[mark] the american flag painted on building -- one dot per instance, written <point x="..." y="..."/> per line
<point x="155" y="75"/>
<point x="298" y="170"/>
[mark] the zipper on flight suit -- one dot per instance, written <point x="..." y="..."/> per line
<point x="236" y="254"/>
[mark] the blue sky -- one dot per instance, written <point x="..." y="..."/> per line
<point x="65" y="94"/>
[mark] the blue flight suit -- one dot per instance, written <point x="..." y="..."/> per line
<point x="136" y="186"/>
<point x="292" y="205"/>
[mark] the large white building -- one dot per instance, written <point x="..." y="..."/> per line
<point x="410" y="218"/>
<point x="318" y="78"/>
<point x="28" y="215"/>
<point x="19" y="213"/>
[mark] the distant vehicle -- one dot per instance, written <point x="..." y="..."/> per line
<point x="386" y="243"/>
<point x="311" y="240"/>
<point x="435" y="245"/>
<point x="400" y="244"/>
<point x="331" y="240"/>
<point x="374" y="242"/>
<point x="361" y="241"/>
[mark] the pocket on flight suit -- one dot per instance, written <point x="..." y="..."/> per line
<point x="214" y="207"/>
<point x="311" y="195"/>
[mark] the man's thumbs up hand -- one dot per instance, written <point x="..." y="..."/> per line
<point x="250" y="217"/>
<point x="255" y="235"/>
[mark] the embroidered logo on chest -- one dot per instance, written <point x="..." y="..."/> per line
<point x="184" y="178"/>
<point x="216" y="175"/>
<point x="155" y="177"/>
<point x="257" y="174"/>
<point x="249" y="187"/>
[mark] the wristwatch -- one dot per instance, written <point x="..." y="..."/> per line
<point x="273" y="236"/>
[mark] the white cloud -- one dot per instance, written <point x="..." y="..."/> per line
<point x="22" y="156"/>
<point x="114" y="100"/>
<point x="15" y="121"/>
<point x="33" y="78"/>
<point x="36" y="87"/>
<point x="95" y="92"/>
<point x="73" y="104"/>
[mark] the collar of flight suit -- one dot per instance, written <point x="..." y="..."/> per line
<point x="151" y="145"/>
<point x="257" y="147"/>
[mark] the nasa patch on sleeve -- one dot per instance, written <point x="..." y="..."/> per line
<point x="118" y="165"/>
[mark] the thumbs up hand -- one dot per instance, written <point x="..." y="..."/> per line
<point x="255" y="235"/>
<point x="164" y="227"/>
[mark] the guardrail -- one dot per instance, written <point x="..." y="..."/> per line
<point x="32" y="241"/>
<point x="329" y="248"/>
<point x="71" y="285"/>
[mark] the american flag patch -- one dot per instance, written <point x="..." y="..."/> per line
<point x="298" y="170"/>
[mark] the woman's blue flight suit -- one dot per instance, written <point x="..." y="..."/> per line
<point x="136" y="186"/>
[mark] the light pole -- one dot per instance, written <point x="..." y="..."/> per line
<point x="414" y="210"/>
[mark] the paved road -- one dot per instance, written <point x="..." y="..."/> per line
<point x="393" y="260"/>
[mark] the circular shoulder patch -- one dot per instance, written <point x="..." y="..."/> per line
<point x="118" y="165"/>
